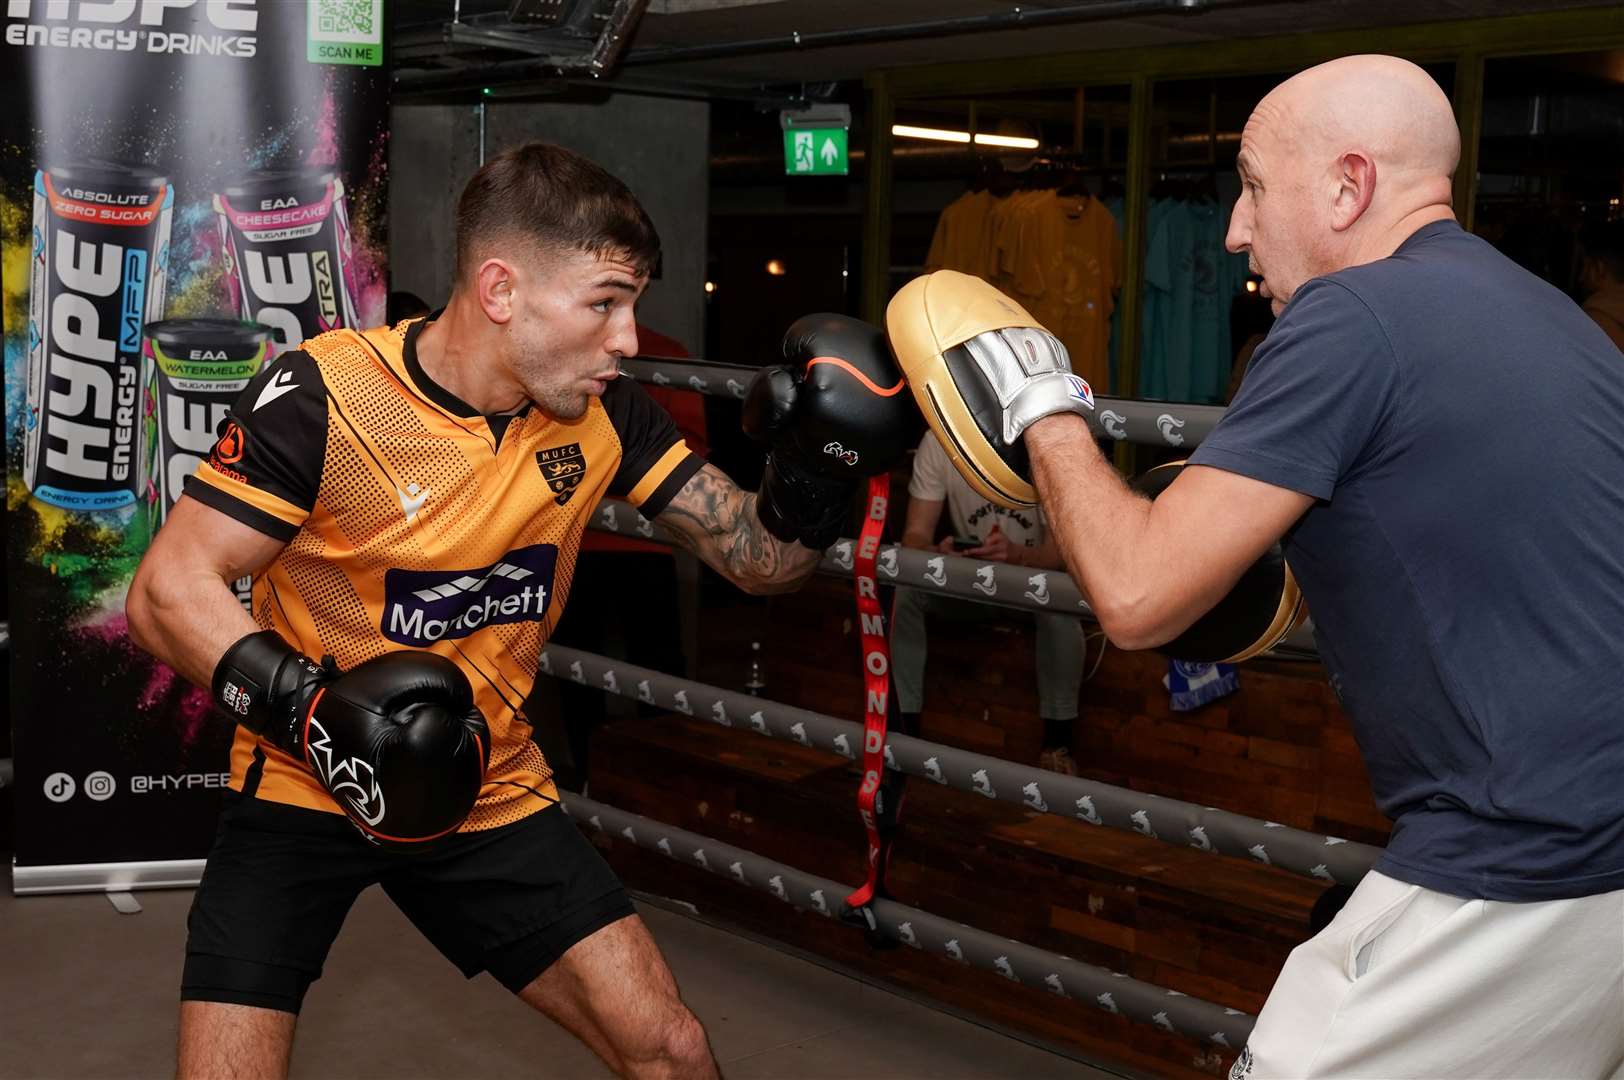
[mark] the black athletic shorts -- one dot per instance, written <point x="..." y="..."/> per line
<point x="280" y="879"/>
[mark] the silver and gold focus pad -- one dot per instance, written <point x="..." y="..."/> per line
<point x="982" y="370"/>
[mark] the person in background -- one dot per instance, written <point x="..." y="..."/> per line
<point x="1249" y="321"/>
<point x="403" y="305"/>
<point x="1601" y="278"/>
<point x="625" y="590"/>
<point x="983" y="530"/>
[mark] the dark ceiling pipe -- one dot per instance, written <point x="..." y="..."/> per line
<point x="594" y="63"/>
<point x="1014" y="19"/>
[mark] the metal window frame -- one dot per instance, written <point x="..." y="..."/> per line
<point x="1467" y="43"/>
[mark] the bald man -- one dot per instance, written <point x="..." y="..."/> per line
<point x="1438" y="438"/>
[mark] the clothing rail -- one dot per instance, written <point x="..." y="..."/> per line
<point x="1152" y="423"/>
<point x="1326" y="858"/>
<point x="1024" y="588"/>
<point x="1017" y="962"/>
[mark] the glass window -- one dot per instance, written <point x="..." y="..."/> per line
<point x="1551" y="173"/>
<point x="1201" y="314"/>
<point x="1023" y="189"/>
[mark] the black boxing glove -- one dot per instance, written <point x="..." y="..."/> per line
<point x="836" y="413"/>
<point x="397" y="740"/>
<point x="1257" y="613"/>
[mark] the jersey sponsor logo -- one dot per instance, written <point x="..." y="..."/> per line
<point x="281" y="383"/>
<point x="228" y="450"/>
<point x="563" y="467"/>
<point x="424" y="606"/>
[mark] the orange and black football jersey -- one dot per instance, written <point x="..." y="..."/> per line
<point x="413" y="522"/>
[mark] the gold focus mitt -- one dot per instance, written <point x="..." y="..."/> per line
<point x="1263" y="607"/>
<point x="982" y="370"/>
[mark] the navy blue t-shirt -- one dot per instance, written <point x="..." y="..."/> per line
<point x="1461" y="425"/>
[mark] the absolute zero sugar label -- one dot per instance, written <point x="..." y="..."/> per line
<point x="96" y="277"/>
<point x="286" y="236"/>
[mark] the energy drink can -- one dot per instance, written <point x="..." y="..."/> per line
<point x="286" y="236"/>
<point x="199" y="367"/>
<point x="96" y="277"/>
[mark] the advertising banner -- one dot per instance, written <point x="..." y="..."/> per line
<point x="187" y="188"/>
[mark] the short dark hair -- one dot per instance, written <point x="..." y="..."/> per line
<point x="1604" y="242"/>
<point x="558" y="198"/>
<point x="403" y="305"/>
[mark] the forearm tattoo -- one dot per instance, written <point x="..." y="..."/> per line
<point x="717" y="521"/>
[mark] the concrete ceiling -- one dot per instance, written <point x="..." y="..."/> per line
<point x="686" y="23"/>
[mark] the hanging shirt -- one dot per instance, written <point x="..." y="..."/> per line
<point x="1190" y="281"/>
<point x="960" y="241"/>
<point x="1061" y="255"/>
<point x="999" y="231"/>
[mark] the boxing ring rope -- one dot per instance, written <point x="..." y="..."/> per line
<point x="1020" y="963"/>
<point x="1329" y="859"/>
<point x="1023" y="588"/>
<point x="1152" y="423"/>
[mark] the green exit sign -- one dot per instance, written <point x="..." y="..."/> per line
<point x="815" y="151"/>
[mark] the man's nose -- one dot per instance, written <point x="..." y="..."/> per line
<point x="624" y="341"/>
<point x="1239" y="236"/>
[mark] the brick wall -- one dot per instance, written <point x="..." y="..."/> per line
<point x="1279" y="749"/>
<point x="1216" y="928"/>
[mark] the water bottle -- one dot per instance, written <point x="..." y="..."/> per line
<point x="756" y="681"/>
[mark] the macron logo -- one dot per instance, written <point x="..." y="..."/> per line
<point x="411" y="500"/>
<point x="282" y="384"/>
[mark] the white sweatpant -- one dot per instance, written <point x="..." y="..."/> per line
<point x="1411" y="984"/>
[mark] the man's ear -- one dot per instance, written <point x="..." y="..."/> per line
<point x="493" y="285"/>
<point x="1356" y="186"/>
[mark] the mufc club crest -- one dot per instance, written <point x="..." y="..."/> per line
<point x="562" y="467"/>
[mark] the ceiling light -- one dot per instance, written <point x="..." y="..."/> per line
<point x="939" y="134"/>
<point x="1015" y="142"/>
<point x="775" y="267"/>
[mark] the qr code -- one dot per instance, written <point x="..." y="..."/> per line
<point x="342" y="18"/>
